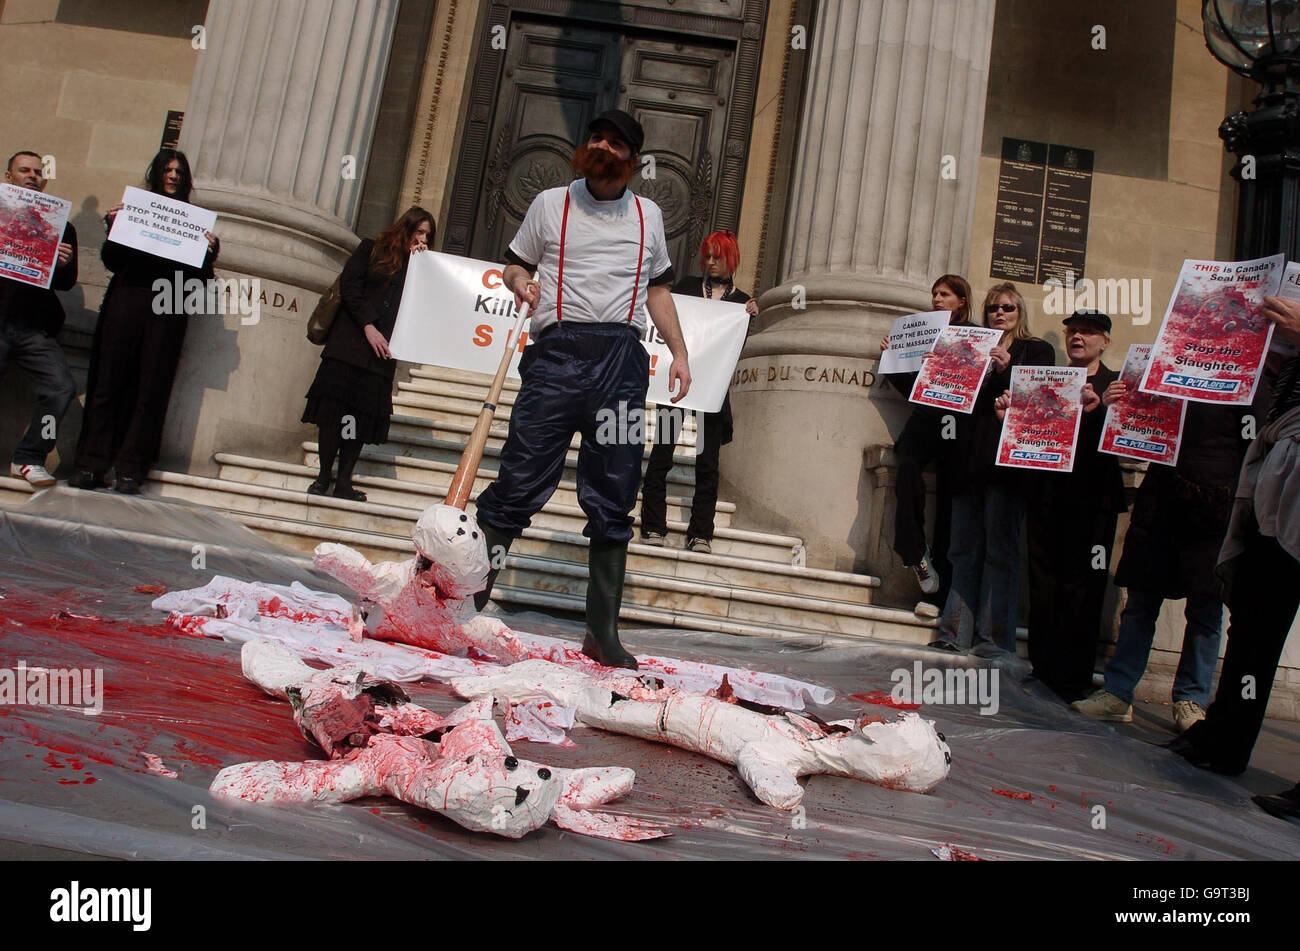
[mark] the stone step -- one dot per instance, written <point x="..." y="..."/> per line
<point x="400" y="425"/>
<point x="445" y="410"/>
<point x="399" y="520"/>
<point x="648" y="598"/>
<point x="405" y="442"/>
<point x="458" y="384"/>
<point x="416" y="493"/>
<point x="17" y="491"/>
<point x="383" y="464"/>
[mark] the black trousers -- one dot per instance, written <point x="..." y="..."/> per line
<point x="133" y="361"/>
<point x="585" y="378"/>
<point x="42" y="358"/>
<point x="920" y="443"/>
<point x="1067" y="590"/>
<point x="1263" y="600"/>
<point x="704" y="503"/>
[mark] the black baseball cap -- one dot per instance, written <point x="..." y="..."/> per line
<point x="627" y="127"/>
<point x="1095" y="317"/>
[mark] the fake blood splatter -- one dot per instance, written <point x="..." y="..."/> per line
<point x="163" y="692"/>
<point x="1012" y="794"/>
<point x="882" y="699"/>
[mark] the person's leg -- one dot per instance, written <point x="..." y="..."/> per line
<point x="915" y="447"/>
<point x="654" y="490"/>
<point x="957" y="623"/>
<point x="42" y="358"/>
<point x="1263" y="602"/>
<point x="161" y="341"/>
<point x="1137" y="630"/>
<point x="328" y="449"/>
<point x="1000" y="583"/>
<point x="943" y="492"/>
<point x="1087" y="578"/>
<point x="545" y="416"/>
<point x="1201" y="637"/>
<point x="1044" y="577"/>
<point x="704" y="503"/>
<point x="349" y="453"/>
<point x="114" y="376"/>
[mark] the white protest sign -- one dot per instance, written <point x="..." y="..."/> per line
<point x="456" y="312"/>
<point x="910" y="338"/>
<point x="163" y="226"/>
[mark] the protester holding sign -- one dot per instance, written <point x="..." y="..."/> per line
<point x="929" y="435"/>
<point x="719" y="256"/>
<point x="981" y="608"/>
<point x="136" y="350"/>
<point x="1260" y="561"/>
<point x="351" y="399"/>
<point x="602" y="261"/>
<point x="1070" y="527"/>
<point x="31" y="317"/>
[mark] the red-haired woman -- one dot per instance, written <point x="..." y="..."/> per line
<point x="351" y="398"/>
<point x="927" y="437"/>
<point x="719" y="256"/>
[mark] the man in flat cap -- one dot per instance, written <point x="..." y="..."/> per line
<point x="602" y="262"/>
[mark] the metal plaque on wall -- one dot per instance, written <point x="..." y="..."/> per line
<point x="1041" y="226"/>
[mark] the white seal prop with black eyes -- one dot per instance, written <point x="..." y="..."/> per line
<point x="771" y="750"/>
<point x="428" y="600"/>
<point x="459" y="765"/>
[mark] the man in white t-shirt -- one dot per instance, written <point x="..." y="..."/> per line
<point x="601" y="258"/>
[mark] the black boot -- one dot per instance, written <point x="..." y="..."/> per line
<point x="498" y="543"/>
<point x="606" y="566"/>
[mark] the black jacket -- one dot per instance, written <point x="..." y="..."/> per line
<point x="1096" y="482"/>
<point x="39" y="308"/>
<point x="977" y="446"/>
<point x="135" y="268"/>
<point x="368" y="298"/>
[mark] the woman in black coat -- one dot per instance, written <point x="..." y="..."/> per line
<point x="136" y="347"/>
<point x="987" y="510"/>
<point x="928" y="436"/>
<point x="351" y="398"/>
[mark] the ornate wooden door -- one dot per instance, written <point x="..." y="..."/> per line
<point x="555" y="75"/>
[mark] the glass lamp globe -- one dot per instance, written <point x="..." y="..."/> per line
<point x="1242" y="33"/>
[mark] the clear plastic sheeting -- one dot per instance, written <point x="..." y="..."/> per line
<point x="79" y="570"/>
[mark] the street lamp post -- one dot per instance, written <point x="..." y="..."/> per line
<point x="1260" y="39"/>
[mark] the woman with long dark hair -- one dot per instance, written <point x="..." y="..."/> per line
<point x="351" y="398"/>
<point x="928" y="436"/>
<point x="136" y="349"/>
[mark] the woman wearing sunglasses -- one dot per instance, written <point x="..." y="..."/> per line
<point x="981" y="609"/>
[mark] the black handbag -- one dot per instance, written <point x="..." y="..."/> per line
<point x="322" y="318"/>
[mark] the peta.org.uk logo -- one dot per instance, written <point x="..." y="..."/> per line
<point x="934" y="686"/>
<point x="76" y="904"/>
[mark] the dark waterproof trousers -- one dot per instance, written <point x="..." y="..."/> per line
<point x="577" y="378"/>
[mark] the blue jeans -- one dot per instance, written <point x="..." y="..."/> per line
<point x="1137" y="629"/>
<point x="983" y="602"/>
<point x="41" y="356"/>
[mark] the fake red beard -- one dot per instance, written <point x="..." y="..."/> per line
<point x="602" y="165"/>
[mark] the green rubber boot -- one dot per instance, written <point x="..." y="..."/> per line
<point x="606" y="567"/>
<point x="498" y="544"/>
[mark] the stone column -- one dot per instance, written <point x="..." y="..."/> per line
<point x="882" y="203"/>
<point x="278" y="129"/>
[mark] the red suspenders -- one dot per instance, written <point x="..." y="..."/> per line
<point x="640" y="257"/>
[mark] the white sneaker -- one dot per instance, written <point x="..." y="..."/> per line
<point x="1104" y="705"/>
<point x="700" y="545"/>
<point x="1187" y="712"/>
<point x="653" y="538"/>
<point x="926" y="576"/>
<point x="36" y="475"/>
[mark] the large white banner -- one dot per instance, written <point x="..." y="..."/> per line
<point x="456" y="312"/>
<point x="163" y="226"/>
